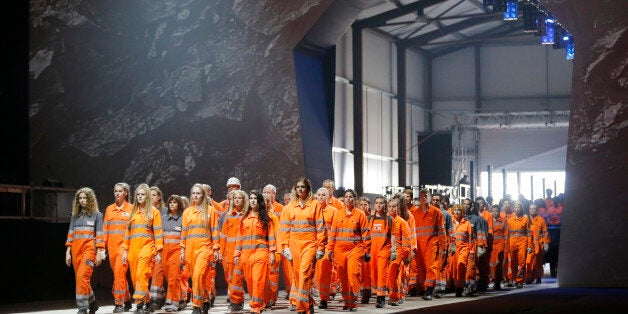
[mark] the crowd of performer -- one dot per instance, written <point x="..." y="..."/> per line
<point x="352" y="247"/>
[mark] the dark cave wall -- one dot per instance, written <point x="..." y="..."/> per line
<point x="166" y="92"/>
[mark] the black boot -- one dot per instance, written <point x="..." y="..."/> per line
<point x="118" y="309"/>
<point x="366" y="295"/>
<point x="206" y="306"/>
<point x="93" y="307"/>
<point x="322" y="305"/>
<point x="139" y="308"/>
<point x="128" y="305"/>
<point x="428" y="294"/>
<point x="381" y="302"/>
<point x="458" y="292"/>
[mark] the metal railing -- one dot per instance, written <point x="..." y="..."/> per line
<point x="36" y="202"/>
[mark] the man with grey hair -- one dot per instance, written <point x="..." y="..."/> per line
<point x="271" y="190"/>
<point x="330" y="186"/>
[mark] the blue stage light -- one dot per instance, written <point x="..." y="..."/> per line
<point x="569" y="47"/>
<point x="548" y="38"/>
<point x="511" y="12"/>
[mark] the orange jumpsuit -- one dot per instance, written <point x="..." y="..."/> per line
<point x="171" y="258"/>
<point x="365" y="281"/>
<point x="463" y="236"/>
<point x="304" y="232"/>
<point x="484" y="268"/>
<point x="115" y="224"/>
<point x="288" y="273"/>
<point x="229" y="225"/>
<point x="443" y="261"/>
<point x="272" y="287"/>
<point x="199" y="240"/>
<point x="540" y="237"/>
<point x="553" y="215"/>
<point x="499" y="251"/>
<point x="254" y="246"/>
<point x="381" y="231"/>
<point x="520" y="241"/>
<point x="349" y="239"/>
<point x="143" y="239"/>
<point x="431" y="237"/>
<point x="324" y="267"/>
<point x="401" y="230"/>
<point x="85" y="235"/>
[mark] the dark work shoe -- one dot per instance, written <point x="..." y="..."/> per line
<point x="322" y="305"/>
<point x="458" y="292"/>
<point x="236" y="307"/>
<point x="206" y="306"/>
<point x="83" y="311"/>
<point x="93" y="307"/>
<point x="353" y="309"/>
<point x="118" y="309"/>
<point x="139" y="308"/>
<point x="538" y="281"/>
<point x="196" y="310"/>
<point x="128" y="305"/>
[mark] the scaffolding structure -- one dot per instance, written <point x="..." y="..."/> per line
<point x="512" y="120"/>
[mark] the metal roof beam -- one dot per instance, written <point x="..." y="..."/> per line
<point x="382" y="18"/>
<point x="471" y="41"/>
<point x="449" y="29"/>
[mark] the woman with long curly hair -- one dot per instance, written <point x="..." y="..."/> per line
<point x="85" y="236"/>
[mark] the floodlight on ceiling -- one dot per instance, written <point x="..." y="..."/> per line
<point x="511" y="13"/>
<point x="569" y="46"/>
<point x="550" y="22"/>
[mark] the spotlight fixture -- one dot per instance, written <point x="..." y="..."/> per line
<point x="548" y="39"/>
<point x="559" y="33"/>
<point x="511" y="12"/>
<point x="569" y="46"/>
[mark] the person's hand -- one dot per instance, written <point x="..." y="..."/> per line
<point x="367" y="257"/>
<point x="319" y="254"/>
<point x="68" y="258"/>
<point x="157" y="258"/>
<point x="546" y="247"/>
<point x="529" y="250"/>
<point x="393" y="255"/>
<point x="124" y="256"/>
<point x="182" y="257"/>
<point x="452" y="248"/>
<point x="442" y="253"/>
<point x="481" y="251"/>
<point x="236" y="260"/>
<point x="98" y="257"/>
<point x="272" y="258"/>
<point x="287" y="253"/>
<point x="216" y="256"/>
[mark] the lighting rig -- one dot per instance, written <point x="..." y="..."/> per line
<point x="538" y="20"/>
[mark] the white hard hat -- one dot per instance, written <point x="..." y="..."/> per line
<point x="233" y="181"/>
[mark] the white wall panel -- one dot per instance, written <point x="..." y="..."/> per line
<point x="377" y="60"/>
<point x="503" y="147"/>
<point x="510" y="71"/>
<point x="343" y="116"/>
<point x="344" y="56"/>
<point x="416" y="80"/>
<point x="453" y="76"/>
<point x="560" y="72"/>
<point x="444" y="112"/>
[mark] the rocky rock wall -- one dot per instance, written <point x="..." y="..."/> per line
<point x="166" y="92"/>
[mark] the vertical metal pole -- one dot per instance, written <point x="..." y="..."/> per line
<point x="504" y="183"/>
<point x="555" y="192"/>
<point x="358" y="150"/>
<point x="401" y="113"/>
<point x="532" y="187"/>
<point x="472" y="179"/>
<point x="518" y="183"/>
<point x="544" y="188"/>
<point x="489" y="169"/>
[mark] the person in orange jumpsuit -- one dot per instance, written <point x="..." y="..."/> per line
<point x="211" y="201"/>
<point x="484" y="268"/>
<point x="462" y="249"/>
<point x="277" y="209"/>
<point x="540" y="245"/>
<point x="324" y="267"/>
<point x="499" y="251"/>
<point x="233" y="184"/>
<point x="85" y="236"/>
<point x="380" y="224"/>
<point x="438" y="200"/>
<point x="303" y="236"/>
<point x="349" y="246"/>
<point x="172" y="223"/>
<point x="255" y="249"/>
<point x="229" y="225"/>
<point x="431" y="241"/>
<point x="407" y="274"/>
<point x="199" y="246"/>
<point x="272" y="284"/>
<point x="115" y="222"/>
<point x="364" y="203"/>
<point x="291" y="293"/>
<point x="520" y="244"/>
<point x="399" y="251"/>
<point x="413" y="286"/>
<point x="330" y="185"/>
<point x="143" y="244"/>
<point x="157" y="292"/>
